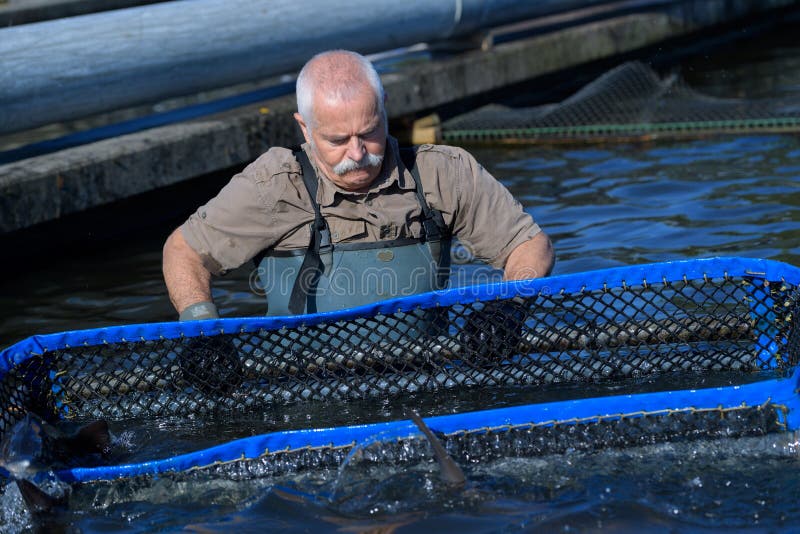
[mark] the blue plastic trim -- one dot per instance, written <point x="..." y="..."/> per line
<point x="18" y="353"/>
<point x="589" y="280"/>
<point x="782" y="391"/>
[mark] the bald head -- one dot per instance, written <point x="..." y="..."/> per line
<point x="336" y="76"/>
<point x="341" y="114"/>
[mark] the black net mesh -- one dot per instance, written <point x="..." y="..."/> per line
<point x="628" y="101"/>
<point x="737" y="325"/>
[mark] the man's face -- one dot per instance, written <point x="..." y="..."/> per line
<point x="348" y="139"/>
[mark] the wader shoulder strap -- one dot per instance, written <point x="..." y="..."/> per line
<point x="313" y="266"/>
<point x="432" y="222"/>
<point x="320" y="243"/>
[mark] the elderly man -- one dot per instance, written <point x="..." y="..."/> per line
<point x="328" y="223"/>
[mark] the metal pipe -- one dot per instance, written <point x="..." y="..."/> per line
<point x="70" y="68"/>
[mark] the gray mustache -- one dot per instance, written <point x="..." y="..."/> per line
<point x="348" y="165"/>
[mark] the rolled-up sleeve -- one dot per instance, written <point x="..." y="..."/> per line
<point x="235" y="225"/>
<point x="488" y="219"/>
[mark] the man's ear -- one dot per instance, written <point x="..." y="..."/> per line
<point x="303" y="127"/>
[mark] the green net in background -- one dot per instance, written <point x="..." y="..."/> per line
<point x="629" y="102"/>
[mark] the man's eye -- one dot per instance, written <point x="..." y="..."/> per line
<point x="338" y="141"/>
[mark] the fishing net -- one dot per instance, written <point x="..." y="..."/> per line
<point x="718" y="316"/>
<point x="486" y="443"/>
<point x="630" y="101"/>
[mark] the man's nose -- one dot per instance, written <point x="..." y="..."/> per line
<point x="355" y="148"/>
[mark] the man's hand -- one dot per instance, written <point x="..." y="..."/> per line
<point x="211" y="364"/>
<point x="494" y="331"/>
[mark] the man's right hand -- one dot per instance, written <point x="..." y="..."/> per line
<point x="493" y="331"/>
<point x="211" y="364"/>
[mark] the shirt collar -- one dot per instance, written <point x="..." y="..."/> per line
<point x="390" y="174"/>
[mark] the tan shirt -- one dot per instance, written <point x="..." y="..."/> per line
<point x="267" y="206"/>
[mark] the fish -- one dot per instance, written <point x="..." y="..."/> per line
<point x="35" y="444"/>
<point x="38" y="501"/>
<point x="215" y="366"/>
<point x="32" y="446"/>
<point x="451" y="473"/>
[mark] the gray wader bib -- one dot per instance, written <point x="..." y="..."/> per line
<point x="327" y="277"/>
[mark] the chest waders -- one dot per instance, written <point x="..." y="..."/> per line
<point x="326" y="277"/>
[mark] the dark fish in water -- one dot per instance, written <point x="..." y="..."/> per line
<point x="32" y="445"/>
<point x="219" y="368"/>
<point x="37" y="500"/>
<point x="31" y="442"/>
<point x="451" y="472"/>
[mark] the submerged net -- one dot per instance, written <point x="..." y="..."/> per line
<point x="523" y="440"/>
<point x="630" y="101"/>
<point x="732" y="317"/>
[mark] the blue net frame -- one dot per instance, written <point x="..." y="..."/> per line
<point x="718" y="315"/>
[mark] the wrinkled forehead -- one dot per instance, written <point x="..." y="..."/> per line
<point x="333" y="107"/>
<point x="346" y="95"/>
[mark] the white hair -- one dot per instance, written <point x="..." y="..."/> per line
<point x="339" y="73"/>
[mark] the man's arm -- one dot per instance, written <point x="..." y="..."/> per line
<point x="210" y="364"/>
<point x="496" y="328"/>
<point x="188" y="281"/>
<point x="532" y="259"/>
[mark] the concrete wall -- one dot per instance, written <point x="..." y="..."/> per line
<point x="44" y="188"/>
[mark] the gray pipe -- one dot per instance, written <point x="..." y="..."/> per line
<point x="71" y="68"/>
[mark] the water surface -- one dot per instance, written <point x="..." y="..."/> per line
<point x="604" y="205"/>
